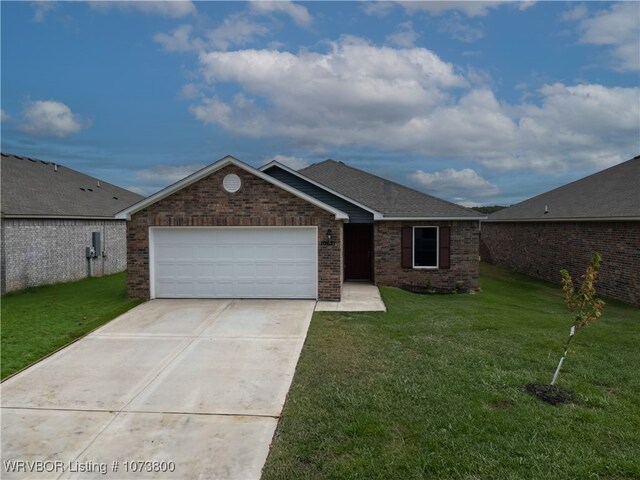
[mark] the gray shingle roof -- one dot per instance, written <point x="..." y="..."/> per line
<point x="389" y="198"/>
<point x="611" y="193"/>
<point x="32" y="187"/>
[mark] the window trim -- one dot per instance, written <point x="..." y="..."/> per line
<point x="421" y="267"/>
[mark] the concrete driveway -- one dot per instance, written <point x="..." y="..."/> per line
<point x="200" y="383"/>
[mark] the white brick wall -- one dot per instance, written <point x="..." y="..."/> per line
<point x="40" y="252"/>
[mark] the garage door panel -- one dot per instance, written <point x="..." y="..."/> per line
<point x="265" y="270"/>
<point x="176" y="252"/>
<point x="295" y="252"/>
<point x="175" y="269"/>
<point x="292" y="269"/>
<point x="231" y="262"/>
<point x="224" y="270"/>
<point x="177" y="288"/>
<point x="297" y="289"/>
<point x="263" y="253"/>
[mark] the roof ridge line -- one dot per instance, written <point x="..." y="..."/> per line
<point x="637" y="157"/>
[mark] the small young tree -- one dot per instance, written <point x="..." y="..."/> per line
<point x="582" y="301"/>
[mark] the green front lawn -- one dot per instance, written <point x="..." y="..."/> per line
<point x="37" y="321"/>
<point x="434" y="389"/>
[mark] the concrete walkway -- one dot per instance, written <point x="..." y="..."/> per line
<point x="356" y="297"/>
<point x="200" y="383"/>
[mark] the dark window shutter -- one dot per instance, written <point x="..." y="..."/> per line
<point x="407" y="247"/>
<point x="445" y="247"/>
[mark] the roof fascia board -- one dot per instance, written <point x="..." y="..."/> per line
<point x="56" y="217"/>
<point x="457" y="219"/>
<point x="376" y="215"/>
<point x="228" y="160"/>
<point x="566" y="219"/>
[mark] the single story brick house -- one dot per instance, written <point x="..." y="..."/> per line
<point x="233" y="231"/>
<point x="51" y="215"/>
<point x="564" y="227"/>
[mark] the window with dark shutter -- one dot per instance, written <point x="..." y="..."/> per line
<point x="425" y="247"/>
<point x="445" y="247"/>
<point x="407" y="247"/>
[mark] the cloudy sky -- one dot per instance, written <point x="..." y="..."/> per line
<point x="476" y="102"/>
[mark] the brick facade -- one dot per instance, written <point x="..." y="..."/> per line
<point x="44" y="251"/>
<point x="463" y="274"/>
<point x="257" y="203"/>
<point x="542" y="249"/>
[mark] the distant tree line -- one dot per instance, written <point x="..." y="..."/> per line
<point x="487" y="209"/>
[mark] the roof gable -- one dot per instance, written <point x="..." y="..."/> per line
<point x="316" y="189"/>
<point x="392" y="200"/>
<point x="202" y="173"/>
<point x="611" y="194"/>
<point x="36" y="188"/>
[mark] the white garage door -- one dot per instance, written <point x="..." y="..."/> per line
<point x="229" y="262"/>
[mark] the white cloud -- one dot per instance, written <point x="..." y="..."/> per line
<point x="590" y="124"/>
<point x="358" y="94"/>
<point x="4" y="116"/>
<point x="455" y="15"/>
<point x="405" y="37"/>
<point x="378" y="8"/>
<point x="179" y="40"/>
<point x="299" y="14"/>
<point x="465" y="183"/>
<point x="525" y="4"/>
<point x="295" y="163"/>
<point x="275" y="45"/>
<point x="469" y="8"/>
<point x="460" y="30"/>
<point x="212" y="110"/>
<point x="144" y="191"/>
<point x="190" y="90"/>
<point x="50" y="118"/>
<point x="353" y="72"/>
<point x="165" y="8"/>
<point x="41" y="10"/>
<point x="575" y="14"/>
<point x="235" y="30"/>
<point x="467" y="203"/>
<point x="617" y="27"/>
<point x="166" y="174"/>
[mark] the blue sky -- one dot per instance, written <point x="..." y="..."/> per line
<point x="475" y="102"/>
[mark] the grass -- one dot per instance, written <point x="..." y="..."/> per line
<point x="434" y="388"/>
<point x="38" y="321"/>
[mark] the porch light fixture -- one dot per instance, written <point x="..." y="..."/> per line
<point x="329" y="233"/>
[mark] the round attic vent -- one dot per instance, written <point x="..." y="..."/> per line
<point x="231" y="183"/>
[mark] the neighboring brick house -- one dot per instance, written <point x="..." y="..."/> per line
<point x="564" y="227"/>
<point x="232" y="231"/>
<point x="50" y="215"/>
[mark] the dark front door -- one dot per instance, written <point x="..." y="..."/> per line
<point x="358" y="251"/>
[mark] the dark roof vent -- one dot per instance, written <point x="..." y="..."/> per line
<point x="115" y="198"/>
<point x="90" y="189"/>
<point x="82" y="189"/>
